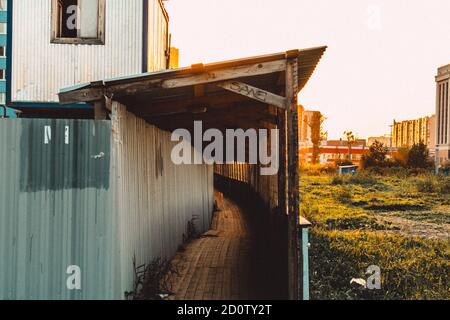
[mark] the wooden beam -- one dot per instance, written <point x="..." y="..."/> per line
<point x="293" y="176"/>
<point x="282" y="172"/>
<point x="100" y="110"/>
<point x="254" y="93"/>
<point x="193" y="79"/>
<point x="170" y="107"/>
<point x="83" y="95"/>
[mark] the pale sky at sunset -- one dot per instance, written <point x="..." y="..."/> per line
<point x="380" y="64"/>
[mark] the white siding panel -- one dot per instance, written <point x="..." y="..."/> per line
<point x="40" y="68"/>
<point x="154" y="197"/>
<point x="157" y="36"/>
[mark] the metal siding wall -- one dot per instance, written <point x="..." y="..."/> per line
<point x="40" y="68"/>
<point x="157" y="36"/>
<point x="156" y="198"/>
<point x="265" y="186"/>
<point x="55" y="210"/>
<point x="96" y="203"/>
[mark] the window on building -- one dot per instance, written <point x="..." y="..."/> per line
<point x="2" y="74"/>
<point x="3" y="5"/>
<point x="3" y="28"/>
<point x="78" y="21"/>
<point x="2" y="51"/>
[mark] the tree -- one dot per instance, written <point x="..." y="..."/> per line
<point x="317" y="134"/>
<point x="351" y="139"/>
<point x="418" y="156"/>
<point x="376" y="156"/>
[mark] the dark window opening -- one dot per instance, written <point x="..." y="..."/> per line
<point x="67" y="19"/>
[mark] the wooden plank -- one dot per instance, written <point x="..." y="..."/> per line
<point x="191" y="79"/>
<point x="170" y="107"/>
<point x="293" y="176"/>
<point x="282" y="173"/>
<point x="100" y="110"/>
<point x="83" y="95"/>
<point x="254" y="93"/>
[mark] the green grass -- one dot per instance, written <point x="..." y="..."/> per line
<point x="352" y="230"/>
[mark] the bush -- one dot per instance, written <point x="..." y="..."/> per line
<point x="418" y="156"/>
<point x="426" y="185"/>
<point x="444" y="185"/>
<point x="337" y="180"/>
<point x="376" y="156"/>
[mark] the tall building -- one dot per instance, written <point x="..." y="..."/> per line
<point x="409" y="132"/>
<point x="305" y="124"/>
<point x="442" y="116"/>
<point x="305" y="128"/>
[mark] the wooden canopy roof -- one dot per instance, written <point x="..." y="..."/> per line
<point x="240" y="93"/>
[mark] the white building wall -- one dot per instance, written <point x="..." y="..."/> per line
<point x="40" y="68"/>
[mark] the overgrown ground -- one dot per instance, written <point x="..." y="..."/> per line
<point x="399" y="222"/>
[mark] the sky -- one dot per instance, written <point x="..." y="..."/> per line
<point x="380" y="64"/>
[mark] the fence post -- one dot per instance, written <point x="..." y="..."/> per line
<point x="303" y="261"/>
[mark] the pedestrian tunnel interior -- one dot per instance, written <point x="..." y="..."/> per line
<point x="257" y="93"/>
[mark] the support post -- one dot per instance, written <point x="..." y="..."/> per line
<point x="100" y="110"/>
<point x="282" y="174"/>
<point x="294" y="248"/>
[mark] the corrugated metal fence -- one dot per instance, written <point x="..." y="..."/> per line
<point x="73" y="193"/>
<point x="55" y="208"/>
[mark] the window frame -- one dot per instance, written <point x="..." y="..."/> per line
<point x="2" y="75"/>
<point x="4" y="51"/>
<point x="100" y="40"/>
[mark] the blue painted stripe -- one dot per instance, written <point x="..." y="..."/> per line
<point x="305" y="246"/>
<point x="2" y="86"/>
<point x="9" y="113"/>
<point x="3" y="63"/>
<point x="3" y="16"/>
<point x="49" y="105"/>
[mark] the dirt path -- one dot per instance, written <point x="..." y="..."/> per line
<point x="422" y="229"/>
<point x="218" y="265"/>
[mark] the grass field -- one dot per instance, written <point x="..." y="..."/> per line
<point x="399" y="222"/>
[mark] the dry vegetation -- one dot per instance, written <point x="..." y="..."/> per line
<point x="399" y="221"/>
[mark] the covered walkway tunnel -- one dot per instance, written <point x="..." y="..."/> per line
<point x="251" y="93"/>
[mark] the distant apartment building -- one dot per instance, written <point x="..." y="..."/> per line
<point x="332" y="151"/>
<point x="409" y="132"/>
<point x="442" y="116"/>
<point x="385" y="140"/>
<point x="306" y="125"/>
